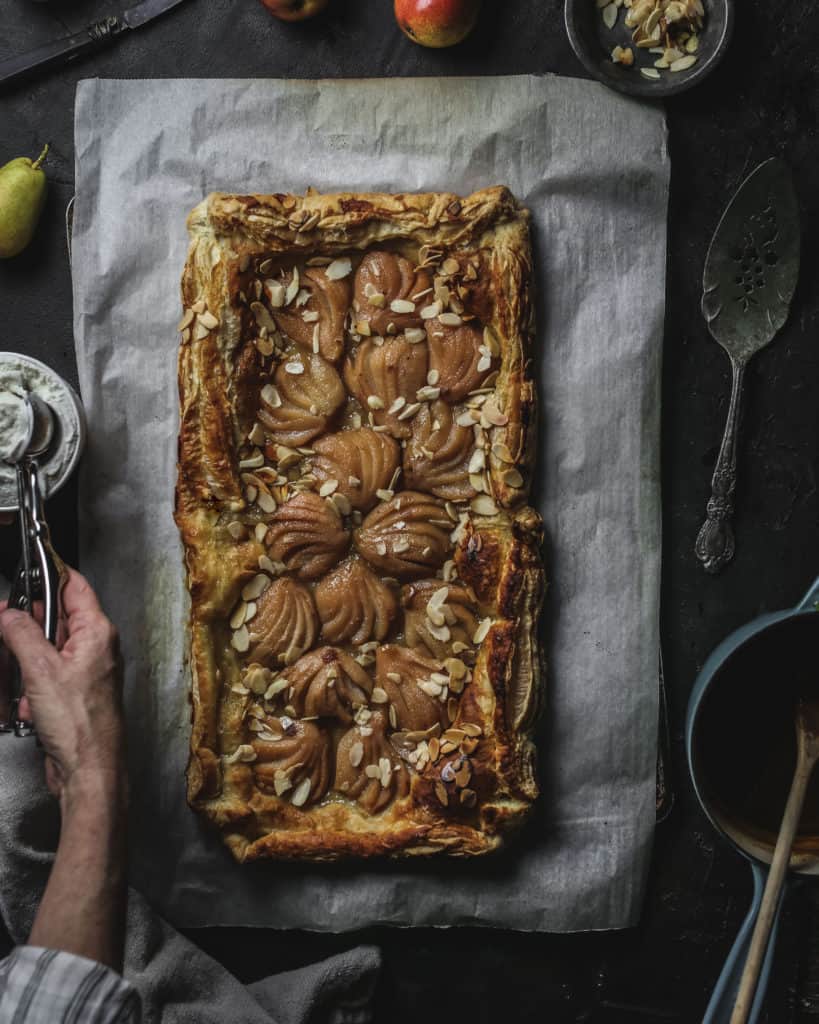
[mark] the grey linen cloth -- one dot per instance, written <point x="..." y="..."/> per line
<point x="178" y="983"/>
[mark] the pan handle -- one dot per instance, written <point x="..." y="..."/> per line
<point x="811" y="599"/>
<point x="724" y="995"/>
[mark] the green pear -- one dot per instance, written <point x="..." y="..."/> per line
<point x="22" y="195"/>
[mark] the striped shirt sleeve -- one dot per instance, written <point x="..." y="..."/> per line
<point x="47" y="986"/>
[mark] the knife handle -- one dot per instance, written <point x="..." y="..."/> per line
<point x="715" y="542"/>
<point x="59" y="51"/>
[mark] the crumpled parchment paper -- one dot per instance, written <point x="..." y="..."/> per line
<point x="593" y="168"/>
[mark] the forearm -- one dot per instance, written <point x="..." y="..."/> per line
<point x="83" y="907"/>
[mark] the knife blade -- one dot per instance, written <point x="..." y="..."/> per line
<point x="68" y="48"/>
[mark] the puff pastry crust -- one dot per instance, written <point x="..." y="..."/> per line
<point x="355" y="452"/>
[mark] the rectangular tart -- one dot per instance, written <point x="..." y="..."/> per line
<point x="355" y="450"/>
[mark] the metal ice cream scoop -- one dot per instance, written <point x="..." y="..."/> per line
<point x="749" y="280"/>
<point x="39" y="574"/>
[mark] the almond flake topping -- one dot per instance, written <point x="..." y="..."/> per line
<point x="244" y="752"/>
<point x="482" y="630"/>
<point x="281" y="782"/>
<point x="427" y="393"/>
<point x="275" y="688"/>
<point x="478" y="461"/>
<point x="275" y="291"/>
<point x="402" y="306"/>
<point x="409" y="411"/>
<point x="266" y="564"/>
<point x="356" y="753"/>
<point x="301" y="793"/>
<point x="338" y="269"/>
<point x="240" y="641"/>
<point x="256" y="587"/>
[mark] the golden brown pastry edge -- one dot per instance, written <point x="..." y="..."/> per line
<point x="510" y="658"/>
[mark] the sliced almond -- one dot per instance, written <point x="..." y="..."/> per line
<point x="237" y="619"/>
<point x="684" y="63"/>
<point x="481" y="632"/>
<point x="244" y="752"/>
<point x="409" y="411"/>
<point x="237" y="530"/>
<point x="427" y="393"/>
<point x="301" y="792"/>
<point x="292" y="289"/>
<point x="338" y="269"/>
<point x="256" y="587"/>
<point x="270" y="396"/>
<point x="240" y="641"/>
<point x="484" y="505"/>
<point x="450" y="320"/>
<point x="186" y="320"/>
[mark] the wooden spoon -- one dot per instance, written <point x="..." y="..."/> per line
<point x="807" y="738"/>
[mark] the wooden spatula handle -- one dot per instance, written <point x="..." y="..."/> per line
<point x="773" y="887"/>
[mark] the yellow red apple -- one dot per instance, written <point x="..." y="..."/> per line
<point x="437" y="23"/>
<point x="294" y="10"/>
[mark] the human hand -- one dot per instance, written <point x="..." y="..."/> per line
<point x="73" y="695"/>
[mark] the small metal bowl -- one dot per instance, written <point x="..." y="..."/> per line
<point x="593" y="43"/>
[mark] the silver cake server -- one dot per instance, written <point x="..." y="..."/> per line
<point x="749" y="280"/>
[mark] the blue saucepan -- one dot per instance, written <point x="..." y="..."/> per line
<point x="750" y="680"/>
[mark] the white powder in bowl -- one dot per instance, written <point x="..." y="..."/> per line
<point x="19" y="375"/>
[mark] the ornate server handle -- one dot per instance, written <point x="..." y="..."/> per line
<point x="715" y="542"/>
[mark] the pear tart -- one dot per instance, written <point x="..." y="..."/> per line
<point x="364" y="570"/>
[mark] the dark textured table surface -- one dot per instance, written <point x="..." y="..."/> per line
<point x="762" y="101"/>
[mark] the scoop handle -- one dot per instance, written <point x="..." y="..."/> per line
<point x="721" y="1005"/>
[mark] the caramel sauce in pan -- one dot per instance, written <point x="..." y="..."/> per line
<point x="745" y="742"/>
